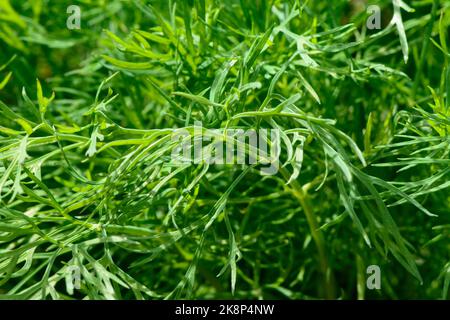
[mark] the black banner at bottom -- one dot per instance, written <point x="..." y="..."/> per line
<point x="219" y="309"/>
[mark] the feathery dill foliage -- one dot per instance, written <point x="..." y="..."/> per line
<point x="86" y="177"/>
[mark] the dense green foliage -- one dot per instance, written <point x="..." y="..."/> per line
<point x="86" y="177"/>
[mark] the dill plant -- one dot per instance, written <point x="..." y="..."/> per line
<point x="87" y="181"/>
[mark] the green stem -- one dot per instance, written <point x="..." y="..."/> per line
<point x="317" y="235"/>
<point x="425" y="45"/>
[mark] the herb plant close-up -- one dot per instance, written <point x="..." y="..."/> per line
<point x="224" y="149"/>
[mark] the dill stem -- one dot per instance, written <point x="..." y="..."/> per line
<point x="317" y="235"/>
